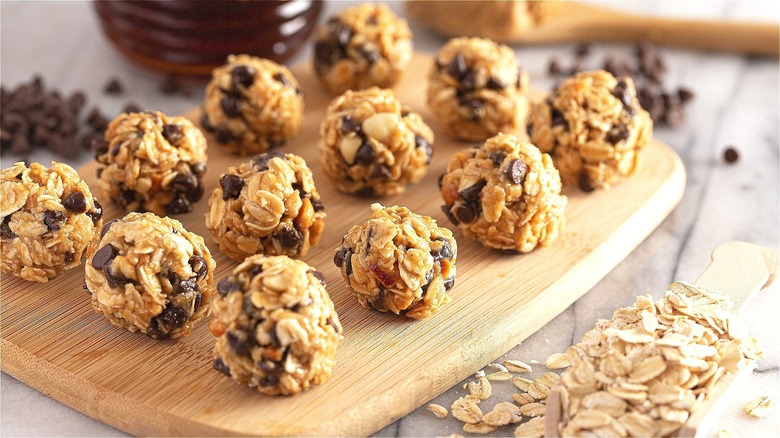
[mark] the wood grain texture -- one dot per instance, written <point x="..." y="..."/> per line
<point x="386" y="366"/>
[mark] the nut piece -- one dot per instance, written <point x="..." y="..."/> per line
<point x="438" y="410"/>
<point x="759" y="408"/>
<point x="48" y="217"/>
<point x="400" y="262"/>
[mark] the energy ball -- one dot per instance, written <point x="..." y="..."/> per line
<point x="147" y="273"/>
<point x="365" y="45"/>
<point x="268" y="205"/>
<point x="477" y="89"/>
<point x="252" y="105"/>
<point x="276" y="327"/>
<point x="594" y="128"/>
<point x="398" y="261"/>
<point x="505" y="193"/>
<point x="152" y="162"/>
<point x="372" y="145"/>
<point x="47" y="219"/>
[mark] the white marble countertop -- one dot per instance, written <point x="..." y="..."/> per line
<point x="737" y="103"/>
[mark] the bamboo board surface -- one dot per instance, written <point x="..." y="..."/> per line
<point x="387" y="365"/>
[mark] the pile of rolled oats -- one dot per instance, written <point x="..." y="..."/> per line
<point x="645" y="371"/>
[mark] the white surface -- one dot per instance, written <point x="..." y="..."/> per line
<point x="737" y="103"/>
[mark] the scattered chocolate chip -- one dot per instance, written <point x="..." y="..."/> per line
<point x="449" y="283"/>
<point x="457" y="66"/>
<point x="279" y="76"/>
<point x="444" y="251"/>
<point x="196" y="193"/>
<point x="685" y="94"/>
<point x="381" y="171"/>
<point x="516" y="171"/>
<point x="290" y="238"/>
<point x="497" y="158"/>
<point x="243" y="75"/>
<point x="183" y="285"/>
<point x="240" y="341"/>
<point x="422" y="143"/>
<point x="184" y="183"/>
<point x="584" y="183"/>
<point x="75" y="202"/>
<point x="365" y="154"/>
<point x="269" y="380"/>
<point x="338" y="257"/>
<point x="261" y="161"/>
<point x="468" y="212"/>
<point x="172" y="133"/>
<point x="371" y="56"/>
<point x="557" y="118"/>
<point x="730" y="155"/>
<point x="198" y="169"/>
<point x="206" y="123"/>
<point x="231" y="106"/>
<point x="132" y="107"/>
<point x="554" y="68"/>
<point x="317" y="204"/>
<point x="219" y="365"/>
<point x="98" y="213"/>
<point x="103" y="256"/>
<point x="106" y="227"/>
<point x="174" y="316"/>
<point x="471" y="193"/>
<point x="448" y="212"/>
<point x="348" y="262"/>
<point x="584" y="49"/>
<point x="117" y="280"/>
<point x="323" y="52"/>
<point x="231" y="186"/>
<point x="53" y="219"/>
<point x="254" y="270"/>
<point x="622" y="93"/>
<point x="348" y="124"/>
<point x="178" y="205"/>
<point x="99" y="146"/>
<point x="475" y="105"/>
<point x="495" y="83"/>
<point x="341" y="33"/>
<point x="114" y="86"/>
<point x="468" y="81"/>
<point x="5" y="229"/>
<point x="199" y="265"/>
<point x="319" y="276"/>
<point x="228" y="285"/>
<point x="617" y="134"/>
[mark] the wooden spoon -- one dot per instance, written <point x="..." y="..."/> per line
<point x="739" y="270"/>
<point x="559" y="22"/>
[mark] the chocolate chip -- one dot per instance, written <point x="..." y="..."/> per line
<point x="449" y="283"/>
<point x="240" y="341"/>
<point x="365" y="154"/>
<point x="475" y="105"/>
<point x="319" y="276"/>
<point x="621" y="92"/>
<point x="5" y="229"/>
<point x="317" y="204"/>
<point x="457" y="66"/>
<point x="497" y="157"/>
<point x="198" y="169"/>
<point x="371" y="56"/>
<point x="231" y="186"/>
<point x="469" y="80"/>
<point x="126" y="197"/>
<point x="348" y="262"/>
<point x="323" y="52"/>
<point x="584" y="49"/>
<point x="99" y="146"/>
<point x="54" y="219"/>
<point x="381" y="171"/>
<point x="471" y="193"/>
<point x="261" y="161"/>
<point x="113" y="86"/>
<point x="184" y="183"/>
<point x="199" y="265"/>
<point x="448" y="212"/>
<point x="685" y="94"/>
<point x="132" y="107"/>
<point x="341" y="33"/>
<point x="243" y="75"/>
<point x="174" y="316"/>
<point x="172" y="133"/>
<point x="269" y="380"/>
<point x="348" y="125"/>
<point x="75" y="202"/>
<point x="421" y="142"/>
<point x="495" y="83"/>
<point x="114" y="280"/>
<point x="228" y="285"/>
<point x="206" y="123"/>
<point x="224" y="135"/>
<point x="290" y="238"/>
<point x="254" y="270"/>
<point x="103" y="256"/>
<point x="231" y="106"/>
<point x="106" y="227"/>
<point x="516" y="171"/>
<point x="730" y="155"/>
<point x="468" y="212"/>
<point x="557" y="118"/>
<point x="98" y="213"/>
<point x="178" y="205"/>
<point x="76" y="101"/>
<point x="219" y="365"/>
<point x="444" y="251"/>
<point x="584" y="183"/>
<point x="617" y="134"/>
<point x="338" y="257"/>
<point x="428" y="279"/>
<point x="182" y="285"/>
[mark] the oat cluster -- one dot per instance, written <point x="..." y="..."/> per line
<point x="477" y="89"/>
<point x="47" y="219"/>
<point x="252" y="105"/>
<point x="504" y="193"/>
<point x="276" y="327"/>
<point x="363" y="46"/>
<point x="594" y="128"/>
<point x="268" y="205"/>
<point x="147" y="273"/>
<point x="152" y="162"/>
<point x="398" y="261"/>
<point x="370" y="144"/>
<point x="643" y="372"/>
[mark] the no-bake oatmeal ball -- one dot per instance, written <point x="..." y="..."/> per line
<point x="147" y="273"/>
<point x="505" y="193"/>
<point x="372" y="145"/>
<point x="152" y="162"/>
<point x="252" y="105"/>
<point x="365" y="45"/>
<point x="268" y="205"/>
<point x="477" y="89"/>
<point x="398" y="261"/>
<point x="276" y="327"/>
<point x="594" y="128"/>
<point x="48" y="217"/>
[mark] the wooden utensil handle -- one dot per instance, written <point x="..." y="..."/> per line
<point x="583" y="22"/>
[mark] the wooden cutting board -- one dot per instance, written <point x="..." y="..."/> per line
<point x="387" y="365"/>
